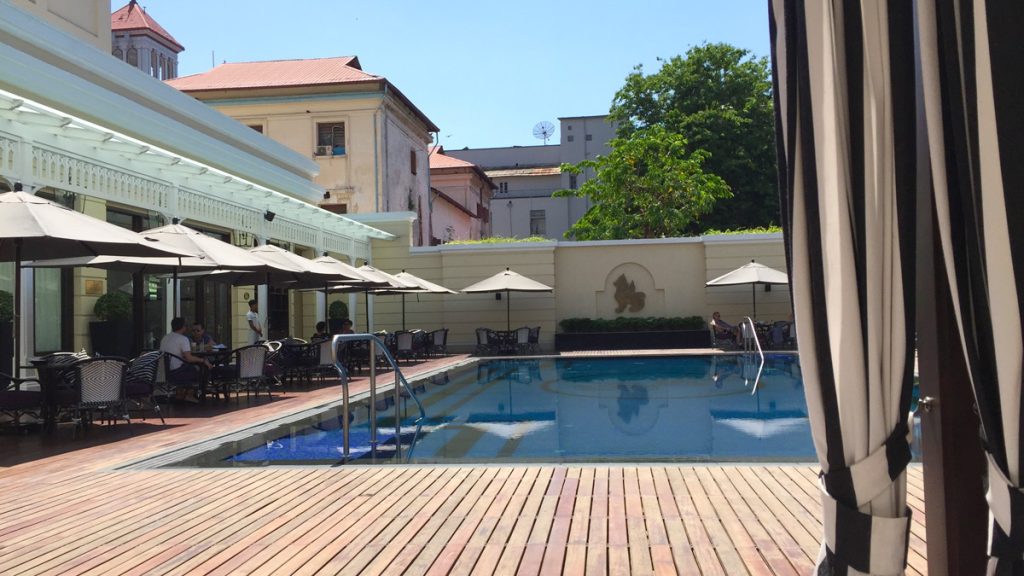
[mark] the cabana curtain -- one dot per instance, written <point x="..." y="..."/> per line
<point x="845" y="130"/>
<point x="972" y="73"/>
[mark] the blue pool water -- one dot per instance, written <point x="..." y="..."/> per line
<point x="564" y="410"/>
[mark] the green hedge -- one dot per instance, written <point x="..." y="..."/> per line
<point x="621" y="324"/>
<point x="6" y="306"/>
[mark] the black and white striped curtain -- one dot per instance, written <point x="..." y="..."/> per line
<point x="972" y="76"/>
<point x="845" y="121"/>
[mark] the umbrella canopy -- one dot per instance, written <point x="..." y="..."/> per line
<point x="217" y="252"/>
<point x="132" y="264"/>
<point x="507" y="281"/>
<point x="34" y="228"/>
<point x="753" y="274"/>
<point x="422" y="287"/>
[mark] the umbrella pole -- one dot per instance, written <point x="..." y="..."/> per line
<point x="366" y="307"/>
<point x="266" y="327"/>
<point x="753" y="293"/>
<point x="17" y="308"/>
<point x="403" y="311"/>
<point x="327" y="308"/>
<point x="508" y="311"/>
<point x="174" y="289"/>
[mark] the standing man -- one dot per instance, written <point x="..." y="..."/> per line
<point x="253" y="318"/>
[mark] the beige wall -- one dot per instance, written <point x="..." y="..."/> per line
<point x="88" y="20"/>
<point x="671" y="273"/>
<point x="374" y="174"/>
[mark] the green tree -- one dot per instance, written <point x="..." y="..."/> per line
<point x="649" y="186"/>
<point x="719" y="98"/>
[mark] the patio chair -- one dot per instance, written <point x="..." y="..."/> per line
<point x="57" y="384"/>
<point x="325" y="359"/>
<point x="721" y="339"/>
<point x="534" y="340"/>
<point x="419" y="343"/>
<point x="437" y="342"/>
<point x="100" y="384"/>
<point x="16" y="401"/>
<point x="404" y="345"/>
<point x="140" y="385"/>
<point x="250" y="369"/>
<point x="482" y="341"/>
<point x="522" y="340"/>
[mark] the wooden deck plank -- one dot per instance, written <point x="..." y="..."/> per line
<point x="73" y="512"/>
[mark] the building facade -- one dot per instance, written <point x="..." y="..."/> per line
<point x="527" y="176"/>
<point x="86" y="130"/>
<point x="369" y="141"/>
<point x="141" y="42"/>
<point x="460" y="201"/>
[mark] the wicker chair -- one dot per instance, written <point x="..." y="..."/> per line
<point x="404" y="345"/>
<point x="522" y="340"/>
<point x="100" y="385"/>
<point x="15" y="401"/>
<point x="250" y="367"/>
<point x="140" y="386"/>
<point x="534" y="340"/>
<point x="437" y="342"/>
<point x="56" y="379"/>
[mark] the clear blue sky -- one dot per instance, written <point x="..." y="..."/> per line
<point x="485" y="72"/>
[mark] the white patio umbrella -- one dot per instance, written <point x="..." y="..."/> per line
<point x="32" y="228"/>
<point x="507" y="281"/>
<point x="421" y="287"/>
<point x="348" y="279"/>
<point x="754" y="274"/>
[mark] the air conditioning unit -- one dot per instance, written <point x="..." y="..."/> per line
<point x="324" y="151"/>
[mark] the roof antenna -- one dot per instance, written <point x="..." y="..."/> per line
<point x="213" y="60"/>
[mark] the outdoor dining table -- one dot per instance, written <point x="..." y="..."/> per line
<point x="506" y="340"/>
<point x="50" y="374"/>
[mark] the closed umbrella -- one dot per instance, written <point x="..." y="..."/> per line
<point x="507" y="281"/>
<point x="32" y="228"/>
<point x="753" y="274"/>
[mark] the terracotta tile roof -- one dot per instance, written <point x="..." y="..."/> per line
<point x="438" y="159"/>
<point x="276" y="74"/>
<point x="133" y="17"/>
<point x="539" y="171"/>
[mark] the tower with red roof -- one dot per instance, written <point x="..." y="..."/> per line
<point x="143" y="43"/>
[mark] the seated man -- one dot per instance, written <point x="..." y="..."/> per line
<point x="346" y="326"/>
<point x="201" y="337"/>
<point x="321" y="332"/>
<point x="724" y="330"/>
<point x="184" y="370"/>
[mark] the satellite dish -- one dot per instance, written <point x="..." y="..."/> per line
<point x="543" y="130"/>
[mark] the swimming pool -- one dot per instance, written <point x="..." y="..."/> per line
<point x="693" y="408"/>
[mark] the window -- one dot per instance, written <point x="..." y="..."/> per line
<point x="572" y="181"/>
<point x="133" y="56"/>
<point x="569" y="138"/>
<point x="412" y="161"/>
<point x="336" y="208"/>
<point x="537" y="223"/>
<point x="330" y="139"/>
<point x="119" y="54"/>
<point x="257" y="127"/>
<point x="502" y="187"/>
<point x="589" y="137"/>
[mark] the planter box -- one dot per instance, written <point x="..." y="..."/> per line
<point x="6" y="349"/>
<point x="112" y="338"/>
<point x="566" y="341"/>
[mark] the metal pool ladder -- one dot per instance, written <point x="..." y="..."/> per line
<point x="750" y="344"/>
<point x="375" y="344"/>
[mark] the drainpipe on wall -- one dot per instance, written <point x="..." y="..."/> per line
<point x="384" y="123"/>
<point x="430" y="200"/>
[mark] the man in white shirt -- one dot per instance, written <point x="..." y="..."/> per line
<point x="255" y="328"/>
<point x="183" y="366"/>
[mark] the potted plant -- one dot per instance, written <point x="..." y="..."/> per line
<point x="632" y="333"/>
<point x="112" y="334"/>
<point x="6" y="331"/>
<point x="336" y="312"/>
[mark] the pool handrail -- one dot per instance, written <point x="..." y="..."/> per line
<point x="749" y="331"/>
<point x="375" y="342"/>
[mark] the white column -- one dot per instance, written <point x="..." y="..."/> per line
<point x="262" y="300"/>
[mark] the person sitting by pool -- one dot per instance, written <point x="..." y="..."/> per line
<point x="202" y="338"/>
<point x="724" y="330"/>
<point x="346" y="326"/>
<point x="321" y="332"/>
<point x="184" y="370"/>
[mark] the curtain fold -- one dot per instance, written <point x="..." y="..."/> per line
<point x="972" y="73"/>
<point x="844" y="86"/>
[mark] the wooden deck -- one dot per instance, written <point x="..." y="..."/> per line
<point x="65" y="510"/>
